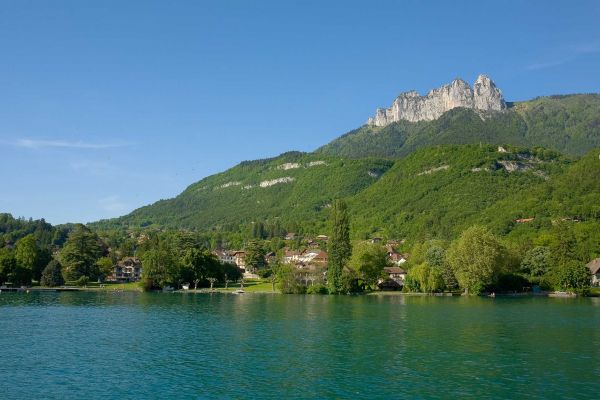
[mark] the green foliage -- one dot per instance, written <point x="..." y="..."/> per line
<point x="82" y="281"/>
<point x="232" y="200"/>
<point x="572" y="276"/>
<point x="476" y="257"/>
<point x="425" y="278"/>
<point x="537" y="261"/>
<point x="339" y="246"/>
<point x="255" y="256"/>
<point x="82" y="250"/>
<point x="160" y="265"/>
<point x="105" y="267"/>
<point x="349" y="283"/>
<point x="288" y="280"/>
<point x="317" y="289"/>
<point x="368" y="260"/>
<point x="52" y="275"/>
<point x="199" y="266"/>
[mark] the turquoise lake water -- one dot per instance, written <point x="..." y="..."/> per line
<point x="134" y="345"/>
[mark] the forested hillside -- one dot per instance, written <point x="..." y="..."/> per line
<point x="294" y="189"/>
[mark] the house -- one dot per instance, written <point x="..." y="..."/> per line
<point x="322" y="237"/>
<point x="291" y="256"/>
<point x="396" y="258"/>
<point x="376" y="239"/>
<point x="239" y="258"/>
<point x="290" y="236"/>
<point x="396" y="274"/>
<point x="594" y="267"/>
<point x="313" y="256"/>
<point x="128" y="269"/>
<point x="226" y="257"/>
<point x="313" y="244"/>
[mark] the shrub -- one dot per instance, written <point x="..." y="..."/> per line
<point x="317" y="289"/>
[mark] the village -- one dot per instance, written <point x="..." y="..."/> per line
<point x="309" y="261"/>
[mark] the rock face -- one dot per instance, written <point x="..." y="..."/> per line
<point x="411" y="106"/>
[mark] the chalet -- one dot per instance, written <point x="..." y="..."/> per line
<point x="226" y="257"/>
<point x="128" y="269"/>
<point x="313" y="256"/>
<point x="594" y="267"/>
<point x="396" y="258"/>
<point x="239" y="258"/>
<point x="396" y="274"/>
<point x="290" y="236"/>
<point x="291" y="256"/>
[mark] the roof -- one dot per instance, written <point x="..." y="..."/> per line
<point x="394" y="270"/>
<point x="594" y="266"/>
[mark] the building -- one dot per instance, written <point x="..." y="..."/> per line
<point x="239" y="259"/>
<point x="224" y="256"/>
<point x="128" y="269"/>
<point x="396" y="274"/>
<point x="594" y="267"/>
<point x="396" y="258"/>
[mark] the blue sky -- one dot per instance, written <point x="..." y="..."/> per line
<point x="106" y="106"/>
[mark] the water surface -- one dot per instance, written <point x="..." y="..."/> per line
<point x="133" y="345"/>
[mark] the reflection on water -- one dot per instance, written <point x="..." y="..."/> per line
<point x="140" y="345"/>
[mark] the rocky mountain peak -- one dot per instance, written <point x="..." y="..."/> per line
<point x="411" y="106"/>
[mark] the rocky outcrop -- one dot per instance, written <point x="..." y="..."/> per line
<point x="411" y="106"/>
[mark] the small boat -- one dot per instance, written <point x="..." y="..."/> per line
<point x="185" y="286"/>
<point x="239" y="291"/>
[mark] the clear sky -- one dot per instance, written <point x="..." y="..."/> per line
<point x="106" y="106"/>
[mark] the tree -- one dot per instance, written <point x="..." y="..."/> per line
<point x="255" y="256"/>
<point x="52" y="275"/>
<point x="160" y="266"/>
<point x="425" y="278"/>
<point x="537" y="261"/>
<point x="212" y="282"/>
<point x="26" y="255"/>
<point x="573" y="276"/>
<point x="8" y="265"/>
<point x="105" y="267"/>
<point x="476" y="258"/>
<point x="435" y="257"/>
<point x="200" y="266"/>
<point x="288" y="280"/>
<point x="368" y="260"/>
<point x="80" y="253"/>
<point x="340" y="249"/>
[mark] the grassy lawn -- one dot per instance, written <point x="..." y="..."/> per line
<point x="595" y="291"/>
<point x="250" y="285"/>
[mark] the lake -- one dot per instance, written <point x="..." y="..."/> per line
<point x="155" y="345"/>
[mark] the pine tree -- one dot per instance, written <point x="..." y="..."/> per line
<point x="339" y="245"/>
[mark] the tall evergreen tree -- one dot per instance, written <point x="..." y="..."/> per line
<point x="339" y="245"/>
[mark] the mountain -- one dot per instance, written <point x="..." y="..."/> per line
<point x="291" y="188"/>
<point x="569" y="124"/>
<point x="410" y="106"/>
<point x="480" y="161"/>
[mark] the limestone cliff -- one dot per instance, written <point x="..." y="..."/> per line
<point x="411" y="106"/>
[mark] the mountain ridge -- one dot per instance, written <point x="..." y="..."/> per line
<point x="411" y="106"/>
